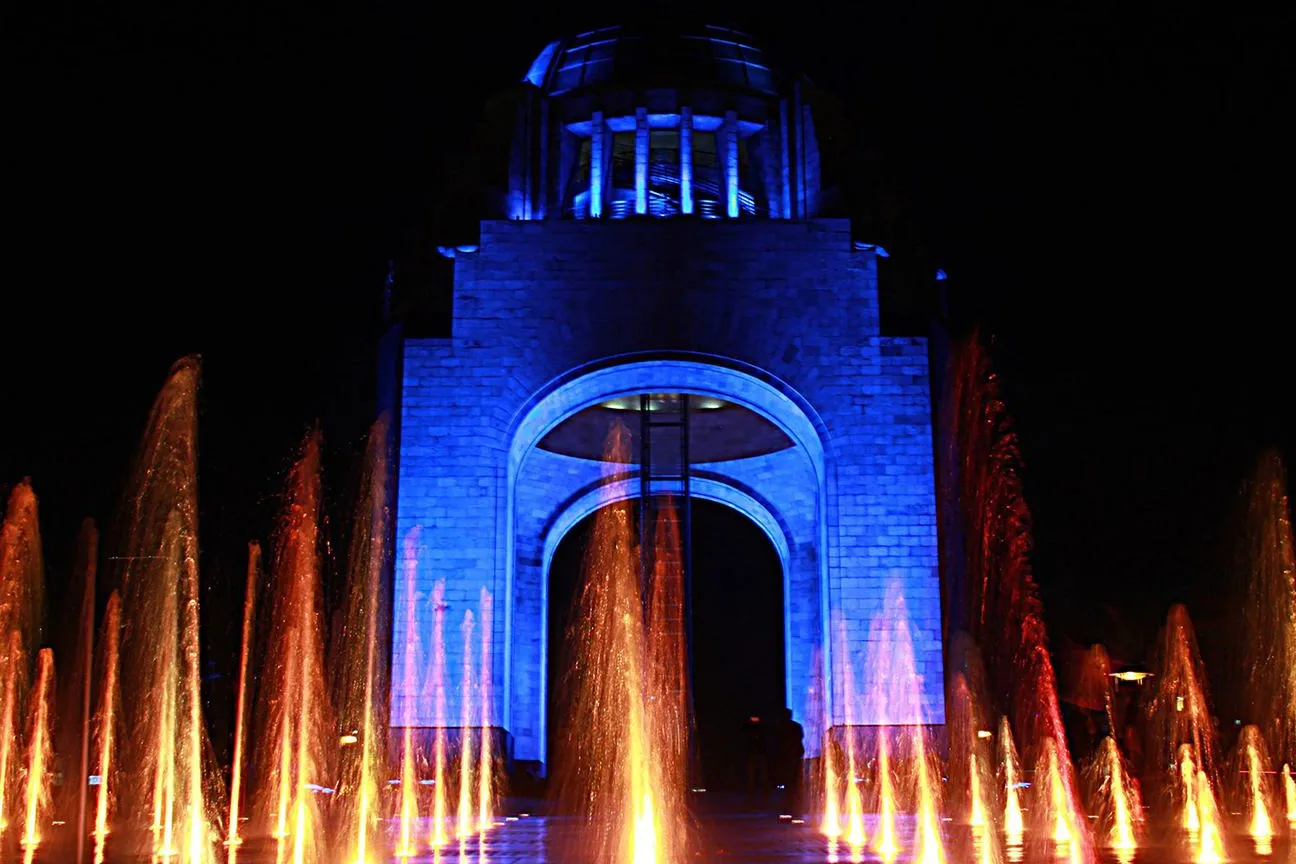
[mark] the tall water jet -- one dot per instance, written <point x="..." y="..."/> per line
<point x="21" y="592"/>
<point x="295" y="708"/>
<point x="669" y="717"/>
<point x="895" y="698"/>
<point x="359" y="659"/>
<point x="14" y="662"/>
<point x="1118" y="802"/>
<point x="232" y="837"/>
<point x="1289" y="793"/>
<point x="614" y="764"/>
<point x="1001" y="609"/>
<point x="486" y="764"/>
<point x="970" y="769"/>
<point x="464" y="815"/>
<point x="1180" y="711"/>
<point x="854" y="800"/>
<point x="1058" y="793"/>
<point x="441" y="775"/>
<point x="1190" y="813"/>
<point x="1095" y="689"/>
<point x="408" y="807"/>
<point x="1014" y="824"/>
<point x="161" y="598"/>
<point x="40" y="753"/>
<point x="1271" y="607"/>
<point x="998" y="585"/>
<point x="831" y="826"/>
<point x="107" y="722"/>
<point x="1253" y="767"/>
<point x="1210" y="847"/>
<point x="885" y="841"/>
<point x="78" y="696"/>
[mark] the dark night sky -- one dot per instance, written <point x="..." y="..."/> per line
<point x="1109" y="190"/>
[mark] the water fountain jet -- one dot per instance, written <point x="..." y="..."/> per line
<point x="107" y="722"/>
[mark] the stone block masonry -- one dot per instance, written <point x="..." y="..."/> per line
<point x="545" y="312"/>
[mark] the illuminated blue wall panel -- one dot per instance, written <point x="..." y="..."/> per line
<point x="779" y="316"/>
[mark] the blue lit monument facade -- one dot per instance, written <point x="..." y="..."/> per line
<point x="665" y="242"/>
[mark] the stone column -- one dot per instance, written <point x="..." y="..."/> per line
<point x="641" y="161"/>
<point x="686" y="160"/>
<point x="596" y="166"/>
<point x="730" y="132"/>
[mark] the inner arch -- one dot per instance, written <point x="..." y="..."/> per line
<point x="740" y="639"/>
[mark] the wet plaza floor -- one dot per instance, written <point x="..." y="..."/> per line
<point x="765" y="840"/>
<point x="725" y="839"/>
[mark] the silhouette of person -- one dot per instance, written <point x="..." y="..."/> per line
<point x="757" y="761"/>
<point x="788" y="760"/>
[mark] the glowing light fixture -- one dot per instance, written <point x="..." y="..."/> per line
<point x="663" y="401"/>
<point x="1133" y="672"/>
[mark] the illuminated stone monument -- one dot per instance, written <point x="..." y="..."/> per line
<point x="665" y="244"/>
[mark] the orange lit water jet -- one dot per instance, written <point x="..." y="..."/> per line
<point x="669" y="723"/>
<point x="485" y="767"/>
<point x="884" y="841"/>
<point x="1270" y="608"/>
<point x="21" y="590"/>
<point x="13" y="662"/>
<point x="295" y="704"/>
<point x="1180" y="711"/>
<point x="160" y="640"/>
<point x="240" y="716"/>
<point x="1210" y="846"/>
<point x="107" y="722"/>
<point x="831" y="826"/>
<point x="998" y="605"/>
<point x="440" y="836"/>
<point x="40" y="754"/>
<point x="895" y="700"/>
<point x="87" y="569"/>
<point x="1119" y="800"/>
<point x="363" y="672"/>
<point x="1014" y="825"/>
<point x="464" y="813"/>
<point x="855" y="835"/>
<point x="408" y="813"/>
<point x="931" y="847"/>
<point x="970" y="771"/>
<point x="1255" y="768"/>
<point x="1065" y="827"/>
<point x="1190" y="813"/>
<point x="622" y="766"/>
<point x="1289" y="793"/>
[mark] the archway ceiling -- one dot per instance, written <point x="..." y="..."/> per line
<point x="716" y="434"/>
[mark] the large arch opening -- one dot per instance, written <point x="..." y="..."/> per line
<point x="768" y="450"/>
<point x="739" y="649"/>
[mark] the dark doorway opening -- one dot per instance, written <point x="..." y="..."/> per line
<point x="738" y="639"/>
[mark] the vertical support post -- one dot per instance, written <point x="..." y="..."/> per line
<point x="730" y="132"/>
<point x="596" y="166"/>
<point x="686" y="535"/>
<point x="641" y="161"/>
<point x="686" y="160"/>
<point x="645" y="488"/>
<point x="90" y="549"/>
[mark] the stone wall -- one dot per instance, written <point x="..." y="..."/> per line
<point x="790" y="299"/>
